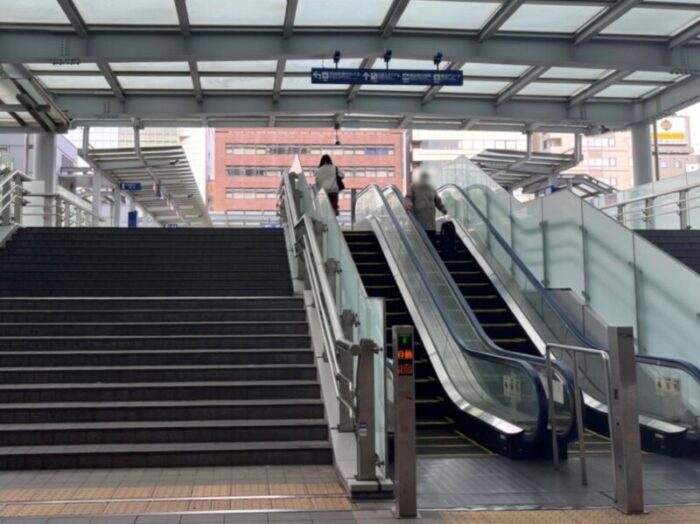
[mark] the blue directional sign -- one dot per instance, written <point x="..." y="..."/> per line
<point x="393" y="77"/>
<point x="130" y="186"/>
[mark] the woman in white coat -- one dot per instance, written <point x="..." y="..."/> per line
<point x="422" y="200"/>
<point x="327" y="177"/>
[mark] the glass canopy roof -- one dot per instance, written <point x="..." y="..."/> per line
<point x="533" y="62"/>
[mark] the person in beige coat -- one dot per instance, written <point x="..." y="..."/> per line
<point x="422" y="200"/>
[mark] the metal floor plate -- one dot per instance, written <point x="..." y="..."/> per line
<point x="499" y="483"/>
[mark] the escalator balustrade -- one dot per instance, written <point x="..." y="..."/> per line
<point x="437" y="432"/>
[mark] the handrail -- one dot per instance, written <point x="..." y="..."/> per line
<point x="525" y="367"/>
<point x="650" y="196"/>
<point x="547" y="296"/>
<point x="575" y="350"/>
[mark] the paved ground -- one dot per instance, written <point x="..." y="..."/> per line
<point x="525" y="492"/>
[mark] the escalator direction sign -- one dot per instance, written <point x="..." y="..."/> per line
<point x="405" y="355"/>
<point x="392" y="77"/>
<point x="131" y="186"/>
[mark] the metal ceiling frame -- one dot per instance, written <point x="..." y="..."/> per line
<point x="589" y="47"/>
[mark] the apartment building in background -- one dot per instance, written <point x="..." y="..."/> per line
<point x="250" y="163"/>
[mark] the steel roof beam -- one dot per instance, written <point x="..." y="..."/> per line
<point x="111" y="80"/>
<point x="322" y="106"/>
<point x="183" y="18"/>
<point x="74" y="17"/>
<point x="289" y="17"/>
<point x="196" y="81"/>
<point x="602" y="84"/>
<point x="686" y="36"/>
<point x="499" y="18"/>
<point x="517" y="85"/>
<point x="609" y="16"/>
<point x="393" y="16"/>
<point x="279" y="78"/>
<point x="163" y="46"/>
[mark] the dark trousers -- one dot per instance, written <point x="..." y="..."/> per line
<point x="333" y="199"/>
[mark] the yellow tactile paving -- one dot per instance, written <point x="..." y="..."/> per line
<point x="121" y="494"/>
<point x="676" y="515"/>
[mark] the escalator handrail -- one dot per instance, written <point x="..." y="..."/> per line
<point x="682" y="365"/>
<point x="527" y="369"/>
<point x="565" y="374"/>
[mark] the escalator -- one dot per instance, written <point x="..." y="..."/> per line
<point x="489" y="307"/>
<point x="440" y="430"/>
<point x="668" y="422"/>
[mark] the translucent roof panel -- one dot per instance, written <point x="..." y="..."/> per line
<point x="225" y="12"/>
<point x="73" y="82"/>
<point x="477" y="87"/>
<point x="339" y="13"/>
<point x="243" y="66"/>
<point x="128" y="12"/>
<point x="402" y="63"/>
<point x="303" y="83"/>
<point x="551" y="89"/>
<point x="504" y="70"/>
<point x="148" y="67"/>
<point x="31" y="12"/>
<point x="87" y="66"/>
<point x="304" y="66"/>
<point x="155" y="82"/>
<point x="447" y="14"/>
<point x="626" y="91"/>
<point x="551" y="18"/>
<point x="652" y="76"/>
<point x="575" y="73"/>
<point x="653" y="22"/>
<point x="238" y="83"/>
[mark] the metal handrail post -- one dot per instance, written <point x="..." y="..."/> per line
<point x="346" y="365"/>
<point x="579" y="422"/>
<point x="365" y="411"/>
<point x="550" y="407"/>
<point x="19" y="199"/>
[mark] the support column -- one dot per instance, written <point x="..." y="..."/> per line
<point x="96" y="198"/>
<point x="117" y="207"/>
<point x="641" y="153"/>
<point x="45" y="171"/>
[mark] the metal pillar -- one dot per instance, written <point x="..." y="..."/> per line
<point x="345" y="365"/>
<point x="96" y="198"/>
<point x="45" y="169"/>
<point x="404" y="422"/>
<point x="117" y="207"/>
<point x="624" y="431"/>
<point x="641" y="151"/>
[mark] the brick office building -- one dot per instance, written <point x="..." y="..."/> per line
<point x="250" y="162"/>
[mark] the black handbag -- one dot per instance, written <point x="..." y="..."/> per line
<point x="339" y="181"/>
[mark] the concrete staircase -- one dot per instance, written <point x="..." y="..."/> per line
<point x="138" y="348"/>
<point x="683" y="245"/>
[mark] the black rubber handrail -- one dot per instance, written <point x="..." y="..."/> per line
<point x="541" y="423"/>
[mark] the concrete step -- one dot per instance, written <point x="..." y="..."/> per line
<point x="258" y="289"/>
<point x="133" y="357"/>
<point x="151" y="315"/>
<point x="32" y="413"/>
<point x="159" y="391"/>
<point x="162" y="431"/>
<point x="160" y="303"/>
<point x="153" y="328"/>
<point x="144" y="276"/>
<point x="153" y="342"/>
<point x="170" y="373"/>
<point x="174" y="267"/>
<point x="199" y="454"/>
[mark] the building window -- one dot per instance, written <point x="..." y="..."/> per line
<point x="663" y="163"/>
<point x="250" y="194"/>
<point x="314" y="149"/>
<point x="677" y="164"/>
